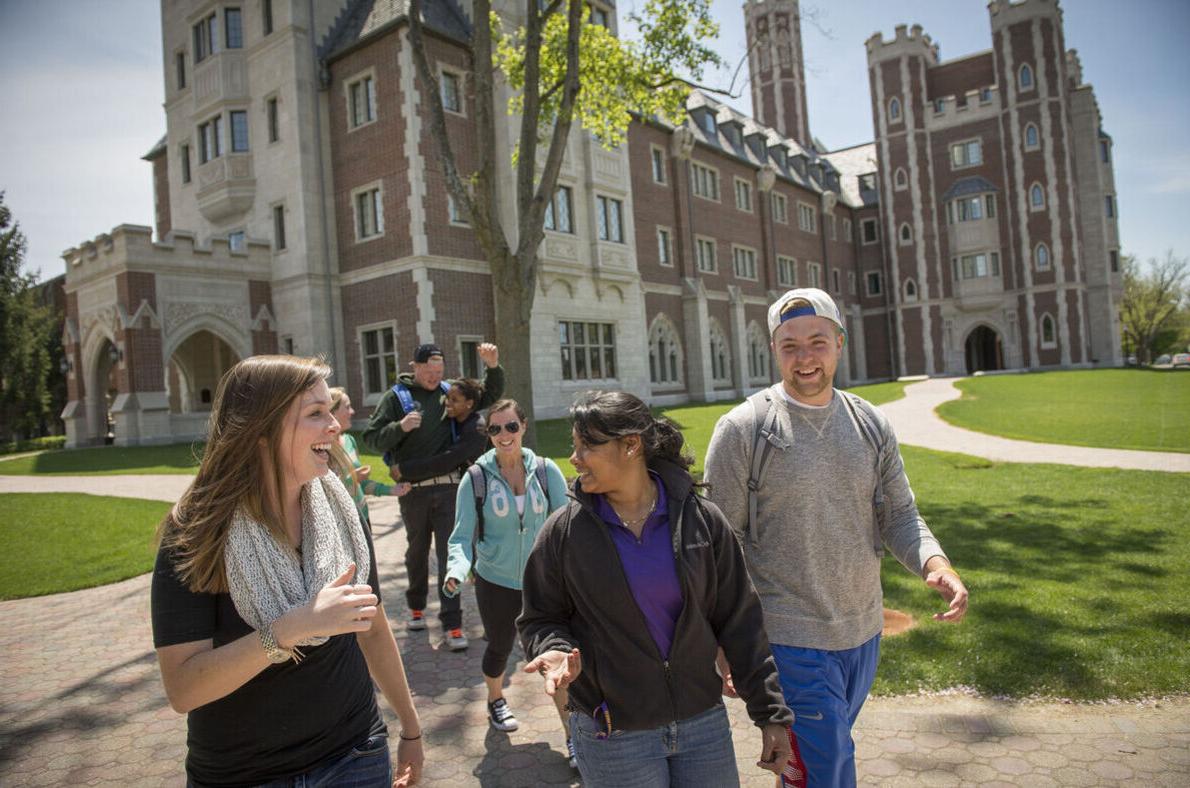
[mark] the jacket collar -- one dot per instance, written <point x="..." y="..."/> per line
<point x="677" y="480"/>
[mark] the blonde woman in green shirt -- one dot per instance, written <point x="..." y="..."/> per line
<point x="353" y="472"/>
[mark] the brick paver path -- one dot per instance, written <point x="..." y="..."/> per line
<point x="81" y="704"/>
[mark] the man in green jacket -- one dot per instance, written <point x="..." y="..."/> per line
<point x="409" y="423"/>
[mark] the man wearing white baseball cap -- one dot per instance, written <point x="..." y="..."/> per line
<point x="811" y="479"/>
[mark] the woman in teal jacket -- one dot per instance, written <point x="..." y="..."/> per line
<point x="515" y="504"/>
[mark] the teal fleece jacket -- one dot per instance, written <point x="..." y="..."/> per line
<point x="508" y="537"/>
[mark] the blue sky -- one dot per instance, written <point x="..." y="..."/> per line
<point x="82" y="93"/>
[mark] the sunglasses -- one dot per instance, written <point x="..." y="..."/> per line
<point x="513" y="428"/>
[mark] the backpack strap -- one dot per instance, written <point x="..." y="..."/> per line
<point x="766" y="435"/>
<point x="479" y="488"/>
<point x="540" y="473"/>
<point x="859" y="410"/>
<point x="405" y="397"/>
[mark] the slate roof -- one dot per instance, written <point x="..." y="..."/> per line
<point x="851" y="163"/>
<point x="156" y="150"/>
<point x="363" y="19"/>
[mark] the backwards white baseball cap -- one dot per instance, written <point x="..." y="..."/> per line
<point x="804" y="301"/>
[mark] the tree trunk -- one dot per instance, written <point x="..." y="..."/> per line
<point x="513" y="306"/>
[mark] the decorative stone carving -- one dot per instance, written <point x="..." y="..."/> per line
<point x="766" y="177"/>
<point x="681" y="144"/>
<point x="178" y="313"/>
<point x="561" y="249"/>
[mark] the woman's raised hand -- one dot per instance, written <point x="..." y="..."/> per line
<point x="340" y="607"/>
<point x="558" y="668"/>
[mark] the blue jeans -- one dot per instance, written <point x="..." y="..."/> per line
<point x="365" y="766"/>
<point x="693" y="752"/>
<point x="826" y="690"/>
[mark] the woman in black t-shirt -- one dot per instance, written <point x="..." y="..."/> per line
<point x="267" y="626"/>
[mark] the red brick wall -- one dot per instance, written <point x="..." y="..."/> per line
<point x="955" y="79"/>
<point x="143" y="368"/>
<point x="655" y="205"/>
<point x="392" y="297"/>
<point x="463" y="307"/>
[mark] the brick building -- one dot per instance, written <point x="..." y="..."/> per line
<point x="300" y="208"/>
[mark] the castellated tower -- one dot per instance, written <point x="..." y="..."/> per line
<point x="775" y="65"/>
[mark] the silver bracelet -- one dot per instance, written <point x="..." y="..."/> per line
<point x="272" y="649"/>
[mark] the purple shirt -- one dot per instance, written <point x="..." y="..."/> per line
<point x="649" y="566"/>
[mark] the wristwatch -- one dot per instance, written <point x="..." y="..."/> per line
<point x="272" y="650"/>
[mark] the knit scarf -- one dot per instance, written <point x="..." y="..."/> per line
<point x="267" y="578"/>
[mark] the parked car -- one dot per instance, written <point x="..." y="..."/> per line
<point x="1181" y="360"/>
<point x="1162" y="359"/>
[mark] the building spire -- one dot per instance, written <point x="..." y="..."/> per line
<point x="775" y="64"/>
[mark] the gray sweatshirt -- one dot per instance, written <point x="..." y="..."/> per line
<point x="815" y="556"/>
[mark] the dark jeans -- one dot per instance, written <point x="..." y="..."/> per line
<point x="498" y="608"/>
<point x="429" y="513"/>
<point x="367" y="765"/>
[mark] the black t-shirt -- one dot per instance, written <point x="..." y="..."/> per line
<point x="285" y="719"/>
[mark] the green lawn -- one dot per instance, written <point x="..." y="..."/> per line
<point x="1078" y="581"/>
<point x="178" y="458"/>
<point x="1112" y="408"/>
<point x="62" y="542"/>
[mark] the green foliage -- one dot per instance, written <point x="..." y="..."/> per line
<point x="56" y="542"/>
<point x="1111" y="408"/>
<point x="617" y="77"/>
<point x="34" y="444"/>
<point x="1077" y="577"/>
<point x="26" y="329"/>
<point x="1155" y="302"/>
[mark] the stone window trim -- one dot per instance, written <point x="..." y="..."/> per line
<point x="445" y="74"/>
<point x="1047" y="335"/>
<point x="894" y="110"/>
<point x="1032" y="137"/>
<point x="358" y="221"/>
<point x="905" y="234"/>
<point x="780" y="207"/>
<point x="836" y="282"/>
<point x="814" y="275"/>
<point x="873" y="284"/>
<point x="1036" y="197"/>
<point x="272" y="118"/>
<point x="704" y="247"/>
<point x="720" y="353"/>
<point x="786" y="271"/>
<point x="759" y="361"/>
<point x="372" y="398"/>
<point x="666" y="359"/>
<point x="960" y="154"/>
<point x="600" y="349"/>
<point x="900" y="180"/>
<point x="910" y="291"/>
<point x="238" y="132"/>
<point x="658" y="161"/>
<point x="1042" y="259"/>
<point x="848" y="237"/>
<point x="704" y="181"/>
<point x="180" y="81"/>
<point x="559" y="212"/>
<point x="454" y="214"/>
<point x="743" y="194"/>
<point x="1025" y="78"/>
<point x="1110" y="208"/>
<point x="184" y="158"/>
<point x="610" y="219"/>
<point x="1113" y="261"/>
<point x="832" y="231"/>
<point x="470" y="365"/>
<point x="366" y="79"/>
<point x="277" y="215"/>
<point x="665" y="246"/>
<point x="868" y="239"/>
<point x="744" y="265"/>
<point x="807" y="218"/>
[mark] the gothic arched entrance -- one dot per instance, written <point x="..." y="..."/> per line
<point x="192" y="374"/>
<point x="984" y="350"/>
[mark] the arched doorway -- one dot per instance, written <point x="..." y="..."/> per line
<point x="984" y="351"/>
<point x="191" y="377"/>
<point x="101" y="388"/>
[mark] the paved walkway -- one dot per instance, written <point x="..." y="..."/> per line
<point x="917" y="424"/>
<point x="81" y="704"/>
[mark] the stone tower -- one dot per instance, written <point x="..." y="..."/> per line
<point x="775" y="65"/>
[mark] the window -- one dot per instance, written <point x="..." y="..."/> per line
<point x="814" y="274"/>
<point x="704" y="252"/>
<point x="743" y="195"/>
<point x="599" y="17"/>
<point x="657" y="157"/>
<point x="900" y="180"/>
<point x="1109" y="206"/>
<point x="609" y="216"/>
<point x="705" y="181"/>
<point x="559" y="216"/>
<point x="266" y="16"/>
<point x="588" y="350"/>
<point x="452" y="97"/>
<point x="1032" y="141"/>
<point x="1114" y="261"/>
<point x="939" y="106"/>
<point x="836" y="282"/>
<point x="976" y="266"/>
<point x="971" y="209"/>
<point x="184" y="155"/>
<point x="210" y="139"/>
<point x="743" y="261"/>
<point x="379" y="359"/>
<point x="1049" y="338"/>
<point x="906" y="234"/>
<point x="847" y="231"/>
<point x="235" y="241"/>
<point x="786" y="271"/>
<point x="910" y="291"/>
<point x="664" y="352"/>
<point x="758" y="353"/>
<point x="867" y="182"/>
<point x="1036" y="198"/>
<point x="780" y="208"/>
<point x="206" y="36"/>
<point x="180" y="63"/>
<point x="807" y="218"/>
<point x="239" y="131"/>
<point x="278" y="228"/>
<point x="455" y="213"/>
<point x="362" y="101"/>
<point x="985" y="95"/>
<point x="1041" y="257"/>
<point x="287" y="345"/>
<point x="851" y="282"/>
<point x="830" y="227"/>
<point x="271" y="114"/>
<point x="894" y="110"/>
<point x="1025" y="80"/>
<point x="1104" y="152"/>
<point x="870" y="231"/>
<point x="709" y="125"/>
<point x="720" y="354"/>
<point x="873" y="283"/>
<point x="966" y="154"/>
<point x="369" y="214"/>
<point x="233" y="27"/>
<point x="472" y="365"/>
<point x="664" y="247"/>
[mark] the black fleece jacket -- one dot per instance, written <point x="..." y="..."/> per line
<point x="576" y="595"/>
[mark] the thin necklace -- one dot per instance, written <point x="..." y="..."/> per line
<point x="638" y="520"/>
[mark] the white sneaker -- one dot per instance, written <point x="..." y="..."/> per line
<point x="501" y="716"/>
<point x="417" y="621"/>
<point x="456" y="640"/>
<point x="572" y="756"/>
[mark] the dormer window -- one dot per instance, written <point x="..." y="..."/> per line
<point x="708" y="123"/>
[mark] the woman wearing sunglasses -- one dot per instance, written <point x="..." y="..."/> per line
<point x="494" y="531"/>
<point x="629" y="593"/>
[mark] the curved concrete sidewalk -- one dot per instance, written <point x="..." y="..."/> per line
<point x="917" y="424"/>
<point x="163" y="487"/>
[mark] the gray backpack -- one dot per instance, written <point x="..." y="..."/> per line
<point x="766" y="436"/>
<point x="479" y="487"/>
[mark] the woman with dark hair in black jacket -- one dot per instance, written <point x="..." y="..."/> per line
<point x="629" y="592"/>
